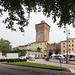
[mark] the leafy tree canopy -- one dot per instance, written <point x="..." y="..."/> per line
<point x="62" y="9"/>
<point x="15" y="51"/>
<point x="4" y="47"/>
<point x="38" y="49"/>
<point x="22" y="52"/>
<point x="4" y="41"/>
<point x="56" y="53"/>
<point x="50" y="53"/>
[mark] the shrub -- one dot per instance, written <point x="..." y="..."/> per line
<point x="13" y="60"/>
<point x="38" y="57"/>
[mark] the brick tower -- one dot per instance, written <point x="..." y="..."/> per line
<point x="42" y="32"/>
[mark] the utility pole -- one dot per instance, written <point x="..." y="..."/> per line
<point x="67" y="31"/>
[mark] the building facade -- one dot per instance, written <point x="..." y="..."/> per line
<point x="36" y="54"/>
<point x="54" y="48"/>
<point x="23" y="47"/>
<point x="42" y="40"/>
<point x="71" y="46"/>
<point x="0" y="55"/>
<point x="42" y="45"/>
<point x="42" y="32"/>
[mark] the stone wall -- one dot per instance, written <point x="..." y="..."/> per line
<point x="42" y="32"/>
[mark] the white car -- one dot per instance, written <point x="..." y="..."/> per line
<point x="31" y="57"/>
<point x="22" y="57"/>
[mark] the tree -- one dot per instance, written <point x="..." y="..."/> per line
<point x="4" y="41"/>
<point x="62" y="9"/>
<point x="15" y="51"/>
<point x="22" y="52"/>
<point x="38" y="49"/>
<point x="5" y="48"/>
<point x="29" y="50"/>
<point x="56" y="53"/>
<point x="50" y="53"/>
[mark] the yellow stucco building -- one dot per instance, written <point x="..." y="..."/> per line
<point x="42" y="45"/>
<point x="42" y="40"/>
<point x="71" y="46"/>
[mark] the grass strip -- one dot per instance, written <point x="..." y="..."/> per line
<point x="36" y="65"/>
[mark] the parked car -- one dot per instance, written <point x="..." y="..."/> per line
<point x="31" y="57"/>
<point x="22" y="57"/>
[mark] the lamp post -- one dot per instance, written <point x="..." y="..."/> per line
<point x="74" y="23"/>
<point x="67" y="31"/>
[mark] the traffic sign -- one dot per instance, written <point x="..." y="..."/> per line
<point x="61" y="60"/>
<point x="48" y="52"/>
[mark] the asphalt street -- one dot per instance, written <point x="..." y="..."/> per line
<point x="18" y="70"/>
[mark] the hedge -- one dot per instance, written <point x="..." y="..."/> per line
<point x="38" y="57"/>
<point x="13" y="60"/>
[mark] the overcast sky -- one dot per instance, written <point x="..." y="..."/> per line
<point x="16" y="38"/>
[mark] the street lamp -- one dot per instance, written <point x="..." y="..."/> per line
<point x="67" y="31"/>
<point x="74" y="23"/>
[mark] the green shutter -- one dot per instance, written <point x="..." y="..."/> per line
<point x="45" y="48"/>
<point x="50" y="48"/>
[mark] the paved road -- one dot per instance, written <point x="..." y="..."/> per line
<point x="18" y="70"/>
<point x="71" y="67"/>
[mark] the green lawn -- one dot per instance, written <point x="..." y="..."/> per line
<point x="36" y="65"/>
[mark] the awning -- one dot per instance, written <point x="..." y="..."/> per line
<point x="72" y="53"/>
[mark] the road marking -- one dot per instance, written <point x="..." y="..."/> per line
<point x="72" y="70"/>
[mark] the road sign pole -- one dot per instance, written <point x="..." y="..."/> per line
<point x="60" y="64"/>
<point x="61" y="61"/>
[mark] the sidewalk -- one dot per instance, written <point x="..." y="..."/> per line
<point x="64" y="62"/>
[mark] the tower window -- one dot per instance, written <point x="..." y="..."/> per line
<point x="72" y="40"/>
<point x="64" y="43"/>
<point x="64" y="51"/>
<point x="72" y="45"/>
